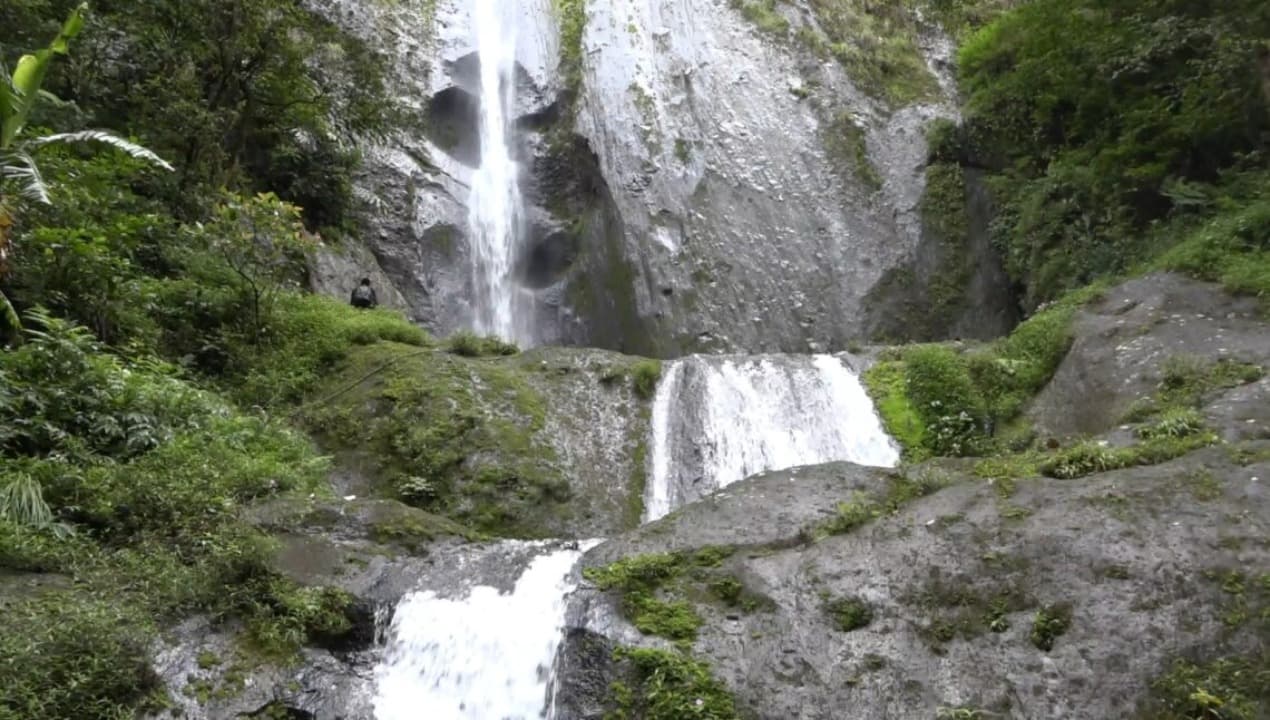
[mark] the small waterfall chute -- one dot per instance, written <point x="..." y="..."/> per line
<point x="719" y="419"/>
<point x="486" y="655"/>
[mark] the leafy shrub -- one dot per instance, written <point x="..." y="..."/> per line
<point x="1175" y="423"/>
<point x="944" y="397"/>
<point x="1233" y="248"/>
<point x="309" y="334"/>
<point x="468" y="344"/>
<point x="61" y="395"/>
<point x="1229" y="688"/>
<point x="1084" y="172"/>
<point x="69" y="657"/>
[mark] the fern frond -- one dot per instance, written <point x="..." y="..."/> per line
<point x="21" y="167"/>
<point x="101" y="136"/>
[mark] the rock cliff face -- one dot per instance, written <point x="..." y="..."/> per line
<point x="1023" y="597"/>
<point x="699" y="184"/>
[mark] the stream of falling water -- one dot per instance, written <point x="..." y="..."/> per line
<point x="484" y="656"/>
<point x="717" y="420"/>
<point x="496" y="211"/>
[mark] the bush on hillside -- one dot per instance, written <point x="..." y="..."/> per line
<point x="1083" y="170"/>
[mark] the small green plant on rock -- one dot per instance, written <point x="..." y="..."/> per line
<point x="866" y="507"/>
<point x="649" y="587"/>
<point x="467" y="344"/>
<point x="644" y="377"/>
<point x="849" y="613"/>
<point x="664" y="685"/>
<point x="1049" y="624"/>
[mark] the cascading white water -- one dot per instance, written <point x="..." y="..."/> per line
<point x="495" y="211"/>
<point x="718" y="420"/>
<point x="485" y="656"/>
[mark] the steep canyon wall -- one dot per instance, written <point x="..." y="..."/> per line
<point x="698" y="182"/>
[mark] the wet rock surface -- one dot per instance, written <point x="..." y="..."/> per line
<point x="1125" y="339"/>
<point x="1140" y="559"/>
<point x="692" y="195"/>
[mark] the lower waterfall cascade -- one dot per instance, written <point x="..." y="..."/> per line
<point x="486" y="655"/>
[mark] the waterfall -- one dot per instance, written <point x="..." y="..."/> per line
<point x="484" y="656"/>
<point x="495" y="210"/>
<point x="719" y="419"/>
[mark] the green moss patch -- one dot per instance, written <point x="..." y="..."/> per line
<point x="886" y="385"/>
<point x="961" y="609"/>
<point x="472" y="345"/>
<point x="849" y="613"/>
<point x="664" y="685"/>
<point x="459" y="437"/>
<point x="658" y="591"/>
<point x="845" y="140"/>
<point x="864" y="507"/>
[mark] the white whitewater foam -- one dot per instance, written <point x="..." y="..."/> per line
<point x="486" y="656"/>
<point x="739" y="416"/>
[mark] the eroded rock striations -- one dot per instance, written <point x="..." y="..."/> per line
<point x="696" y="182"/>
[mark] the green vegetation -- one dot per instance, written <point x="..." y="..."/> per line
<point x="644" y="377"/>
<point x="866" y="507"/>
<point x="637" y="580"/>
<point x="651" y="588"/>
<point x="1245" y="601"/>
<point x="1169" y="424"/>
<point x="129" y="482"/>
<point x="845" y="141"/>
<point x="468" y="344"/>
<point x="156" y="306"/>
<point x="1229" y="688"/>
<point x="962" y="610"/>
<point x="1049" y="624"/>
<point x="885" y="383"/>
<point x="849" y="613"/>
<point x="663" y="685"/>
<point x="683" y="151"/>
<point x="571" y="15"/>
<point x="458" y="437"/>
<point x="1093" y="179"/>
<point x="937" y="400"/>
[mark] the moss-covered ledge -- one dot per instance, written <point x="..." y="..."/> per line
<point x="488" y="437"/>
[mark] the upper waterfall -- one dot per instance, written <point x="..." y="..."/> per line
<point x="496" y="210"/>
<point x="719" y="419"/>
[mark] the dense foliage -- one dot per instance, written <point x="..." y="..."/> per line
<point x="156" y="305"/>
<point x="1113" y="128"/>
<point x="257" y="95"/>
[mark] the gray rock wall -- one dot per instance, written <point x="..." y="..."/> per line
<point x="686" y="200"/>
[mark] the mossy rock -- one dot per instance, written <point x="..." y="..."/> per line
<point x="498" y="444"/>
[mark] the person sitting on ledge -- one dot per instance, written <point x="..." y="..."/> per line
<point x="364" y="295"/>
